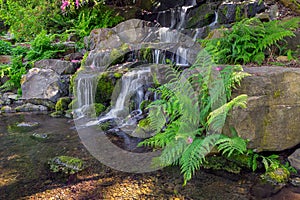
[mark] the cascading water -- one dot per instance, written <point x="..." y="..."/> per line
<point x="181" y="57"/>
<point x="215" y="21"/>
<point x="85" y="89"/>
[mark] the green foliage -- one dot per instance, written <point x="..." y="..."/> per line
<point x="66" y="164"/>
<point x="14" y="72"/>
<point x="248" y="39"/>
<point x="27" y="18"/>
<point x="62" y="104"/>
<point x="104" y="89"/>
<point x="99" y="108"/>
<point x="188" y="118"/>
<point x="82" y="21"/>
<point x="43" y="48"/>
<point x="5" y="48"/>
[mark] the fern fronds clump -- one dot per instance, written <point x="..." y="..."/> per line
<point x="189" y="117"/>
<point x="248" y="39"/>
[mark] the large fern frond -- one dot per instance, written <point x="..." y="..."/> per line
<point x="229" y="145"/>
<point x="194" y="155"/>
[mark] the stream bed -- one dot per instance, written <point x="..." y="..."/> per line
<point x="24" y="173"/>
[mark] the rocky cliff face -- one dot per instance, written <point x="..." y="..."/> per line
<point x="271" y="120"/>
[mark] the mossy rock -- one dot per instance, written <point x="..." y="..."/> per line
<point x="276" y="176"/>
<point x="23" y="127"/>
<point x="66" y="164"/>
<point x="118" y="75"/>
<point x="104" y="89"/>
<point x="221" y="163"/>
<point x="72" y="104"/>
<point x="62" y="104"/>
<point x="57" y="114"/>
<point x="99" y="108"/>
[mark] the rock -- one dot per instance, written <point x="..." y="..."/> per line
<point x="295" y="181"/>
<point x="292" y="4"/>
<point x="59" y="66"/>
<point x="282" y="59"/>
<point x="39" y="137"/>
<point x="28" y="107"/>
<point x="294" y="159"/>
<point x="7" y="109"/>
<point x="62" y="104"/>
<point x="43" y="84"/>
<point x="271" y="119"/>
<point x="229" y="12"/>
<point x="45" y="102"/>
<point x="66" y="164"/>
<point x="28" y="124"/>
<point x="4" y="59"/>
<point x="74" y="56"/>
<point x="23" y="127"/>
<point x="201" y="16"/>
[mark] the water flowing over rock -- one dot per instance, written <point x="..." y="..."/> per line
<point x="271" y="120"/>
<point x="44" y="84"/>
<point x="139" y="39"/>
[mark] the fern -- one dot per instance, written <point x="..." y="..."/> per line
<point x="189" y="116"/>
<point x="248" y="39"/>
<point x="230" y="146"/>
<point x="194" y="155"/>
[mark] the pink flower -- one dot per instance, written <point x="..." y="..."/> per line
<point x="75" y="61"/>
<point x="64" y="4"/>
<point x="77" y="3"/>
<point x="218" y="68"/>
<point x="189" y="140"/>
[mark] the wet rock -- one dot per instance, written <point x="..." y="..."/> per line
<point x="28" y="107"/>
<point x="59" y="66"/>
<point x="28" y="124"/>
<point x="271" y="119"/>
<point x="294" y="159"/>
<point x="43" y="84"/>
<point x="229" y="12"/>
<point x="23" y="127"/>
<point x="295" y="181"/>
<point x="39" y="137"/>
<point x="45" y="102"/>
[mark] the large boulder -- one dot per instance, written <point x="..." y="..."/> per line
<point x="271" y="121"/>
<point x="43" y="84"/>
<point x="59" y="66"/>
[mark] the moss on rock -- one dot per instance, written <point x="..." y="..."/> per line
<point x="62" y="104"/>
<point x="104" y="89"/>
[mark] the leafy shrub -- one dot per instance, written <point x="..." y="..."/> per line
<point x="5" y="48"/>
<point x="248" y="39"/>
<point x="15" y="71"/>
<point x="43" y="48"/>
<point x="26" y="19"/>
<point x="188" y="124"/>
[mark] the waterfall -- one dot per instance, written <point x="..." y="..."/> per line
<point x="156" y="56"/>
<point x="132" y="83"/>
<point x="181" y="57"/>
<point x="183" y="13"/>
<point x="215" y="21"/>
<point x="86" y="87"/>
<point x="167" y="35"/>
